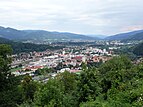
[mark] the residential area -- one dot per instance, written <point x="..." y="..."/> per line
<point x="67" y="59"/>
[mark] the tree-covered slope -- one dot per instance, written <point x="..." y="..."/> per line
<point x="135" y="35"/>
<point x="26" y="47"/>
<point x="14" y="34"/>
<point x="138" y="36"/>
<point x="138" y="49"/>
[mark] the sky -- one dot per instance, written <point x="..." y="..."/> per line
<point x="105" y="17"/>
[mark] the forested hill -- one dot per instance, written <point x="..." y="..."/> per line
<point x="3" y="40"/>
<point x="26" y="47"/>
<point x="138" y="49"/>
<point x="138" y="36"/>
<point x="134" y="35"/>
<point x="14" y="34"/>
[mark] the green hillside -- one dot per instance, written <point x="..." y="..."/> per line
<point x="27" y="47"/>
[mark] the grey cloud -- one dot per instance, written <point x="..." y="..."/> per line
<point x="79" y="16"/>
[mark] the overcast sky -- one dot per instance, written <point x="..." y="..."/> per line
<point x="105" y="17"/>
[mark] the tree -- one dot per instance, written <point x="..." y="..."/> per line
<point x="68" y="80"/>
<point x="50" y="94"/>
<point x="29" y="88"/>
<point x="58" y="92"/>
<point x="88" y="85"/>
<point x="8" y="83"/>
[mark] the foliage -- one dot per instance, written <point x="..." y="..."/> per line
<point x="44" y="71"/>
<point x="138" y="50"/>
<point x="88" y="86"/>
<point x="29" y="87"/>
<point x="9" y="92"/>
<point x="57" y="92"/>
<point x="19" y="47"/>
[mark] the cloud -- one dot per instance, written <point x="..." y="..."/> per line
<point x="79" y="16"/>
<point x="132" y="28"/>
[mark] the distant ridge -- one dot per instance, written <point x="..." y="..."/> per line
<point x="98" y="36"/>
<point x="14" y="34"/>
<point x="134" y="35"/>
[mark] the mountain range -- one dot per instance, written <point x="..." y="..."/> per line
<point x="14" y="34"/>
<point x="43" y="35"/>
